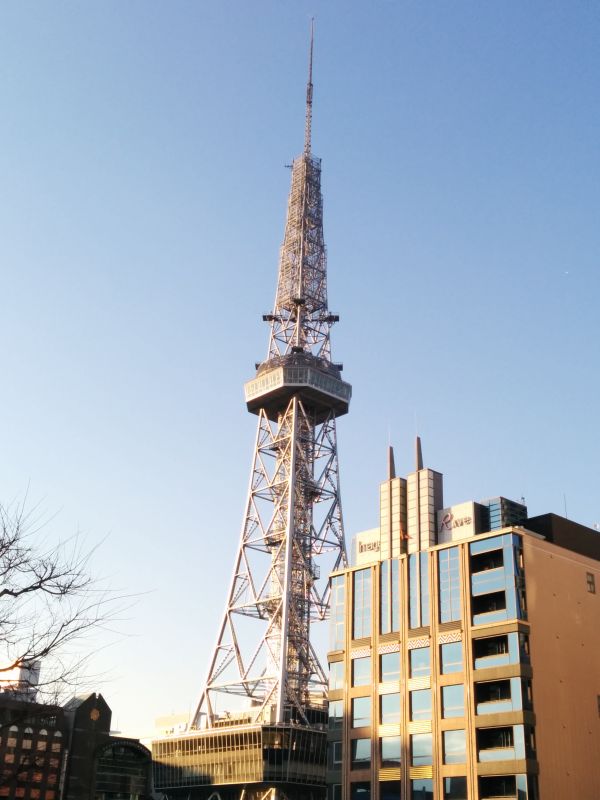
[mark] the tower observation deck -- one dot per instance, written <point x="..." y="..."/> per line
<point x="258" y="731"/>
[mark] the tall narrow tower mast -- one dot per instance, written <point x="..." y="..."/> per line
<point x="293" y="513"/>
<point x="265" y="678"/>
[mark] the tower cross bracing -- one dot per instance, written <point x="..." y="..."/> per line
<point x="258" y="731"/>
<point x="293" y="514"/>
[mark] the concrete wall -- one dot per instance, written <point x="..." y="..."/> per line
<point x="565" y="658"/>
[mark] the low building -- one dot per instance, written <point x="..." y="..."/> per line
<point x="51" y="752"/>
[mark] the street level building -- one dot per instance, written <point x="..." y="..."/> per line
<point x="465" y="653"/>
<point x="53" y="752"/>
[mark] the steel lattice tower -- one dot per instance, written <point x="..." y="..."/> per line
<point x="265" y="679"/>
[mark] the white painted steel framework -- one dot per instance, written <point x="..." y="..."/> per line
<point x="264" y="668"/>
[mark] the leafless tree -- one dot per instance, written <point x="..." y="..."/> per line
<point x="48" y="602"/>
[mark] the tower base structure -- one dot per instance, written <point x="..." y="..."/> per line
<point x="242" y="762"/>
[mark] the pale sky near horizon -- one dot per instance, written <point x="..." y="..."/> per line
<point x="142" y="162"/>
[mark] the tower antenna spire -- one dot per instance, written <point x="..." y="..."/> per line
<point x="309" y="92"/>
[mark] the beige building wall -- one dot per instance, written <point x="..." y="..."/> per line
<point x="564" y="616"/>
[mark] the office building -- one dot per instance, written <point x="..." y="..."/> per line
<point x="465" y="653"/>
<point x="53" y="752"/>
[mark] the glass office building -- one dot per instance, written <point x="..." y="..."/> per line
<point x="456" y="669"/>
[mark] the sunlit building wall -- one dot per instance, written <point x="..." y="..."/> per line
<point x="467" y="669"/>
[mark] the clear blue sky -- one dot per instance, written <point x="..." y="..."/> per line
<point x="142" y="153"/>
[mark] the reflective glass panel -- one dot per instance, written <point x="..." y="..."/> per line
<point x="420" y="704"/>
<point x="361" y="671"/>
<point x="390" y="668"/>
<point x="420" y="662"/>
<point x="390" y="708"/>
<point x="453" y="701"/>
<point x="451" y="655"/>
<point x="455" y="747"/>
<point x="361" y="712"/>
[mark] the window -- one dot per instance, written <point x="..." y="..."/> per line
<point x="336" y="711"/>
<point x="389" y="593"/>
<point x="497" y="579"/>
<point x="361" y="671"/>
<point x="360" y="791"/>
<point x="361" y="712"/>
<point x="390" y="708"/>
<point x="335" y="791"/>
<point x="420" y="704"/>
<point x="422" y="789"/>
<point x="451" y="656"/>
<point x="420" y="745"/>
<point x="337" y="603"/>
<point x="336" y="675"/>
<point x="455" y="747"/>
<point x="418" y="598"/>
<point x="391" y="751"/>
<point x="591" y="582"/>
<point x="455" y="788"/>
<point x="390" y="667"/>
<point x="335" y="754"/>
<point x="389" y="790"/>
<point x="497" y="651"/>
<point x="489" y="608"/>
<point x="453" y="701"/>
<point x="500" y="744"/>
<point x="362" y="603"/>
<point x="449" y="584"/>
<point x="420" y="662"/>
<point x="501" y="786"/>
<point x="361" y="753"/>
<point x="509" y="694"/>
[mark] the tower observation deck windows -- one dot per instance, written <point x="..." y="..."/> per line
<point x="361" y="597"/>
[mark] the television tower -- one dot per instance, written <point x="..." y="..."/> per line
<point x="259" y="729"/>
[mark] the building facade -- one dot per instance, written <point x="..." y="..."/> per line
<point x="51" y="752"/>
<point x="465" y="653"/>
